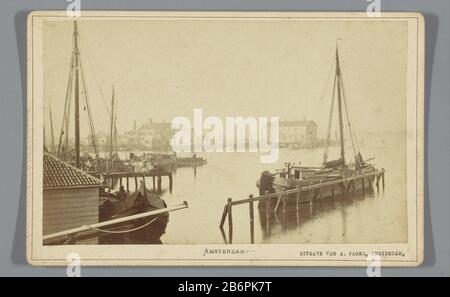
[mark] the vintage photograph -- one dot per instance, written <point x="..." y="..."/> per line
<point x="190" y="138"/>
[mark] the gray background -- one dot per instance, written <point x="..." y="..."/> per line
<point x="13" y="127"/>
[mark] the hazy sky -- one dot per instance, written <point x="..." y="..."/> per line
<point x="164" y="69"/>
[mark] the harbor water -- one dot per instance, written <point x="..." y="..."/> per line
<point x="378" y="217"/>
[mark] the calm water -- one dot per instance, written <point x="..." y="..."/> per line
<point x="380" y="217"/>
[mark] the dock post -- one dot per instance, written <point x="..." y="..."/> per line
<point x="378" y="183"/>
<point x="159" y="182"/>
<point x="120" y="181"/>
<point x="284" y="204"/>
<point x="143" y="179"/>
<point x="310" y="203"/>
<point x="224" y="216"/>
<point x="252" y="220"/>
<point x="135" y="183"/>
<point x="154" y="184"/>
<point x="298" y="198"/>
<point x="170" y="182"/>
<point x="230" y="222"/>
<point x="363" y="186"/>
<point x="267" y="214"/>
<point x="128" y="184"/>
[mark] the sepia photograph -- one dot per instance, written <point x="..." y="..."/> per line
<point x="225" y="138"/>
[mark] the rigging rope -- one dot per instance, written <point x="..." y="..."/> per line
<point x="326" y="83"/>
<point x="352" y="136"/>
<point x="95" y="77"/>
<point x="66" y="107"/>
<point x="68" y="240"/>
<point x="88" y="106"/>
<point x="327" y="142"/>
<point x="347" y="111"/>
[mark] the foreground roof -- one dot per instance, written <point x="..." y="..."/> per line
<point x="59" y="174"/>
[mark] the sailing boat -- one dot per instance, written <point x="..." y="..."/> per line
<point x="76" y="89"/>
<point x="331" y="178"/>
<point x="77" y="92"/>
<point x="122" y="204"/>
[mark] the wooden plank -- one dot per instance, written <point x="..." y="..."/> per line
<point x="224" y="216"/>
<point x="70" y="215"/>
<point x="116" y="221"/>
<point x="50" y="207"/>
<point x="136" y="174"/>
<point x="252" y="221"/>
<point x="230" y="222"/>
<point x="278" y="203"/>
<point x="304" y="188"/>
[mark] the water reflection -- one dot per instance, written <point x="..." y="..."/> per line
<point x="294" y="215"/>
<point x="358" y="219"/>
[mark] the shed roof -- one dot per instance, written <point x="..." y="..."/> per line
<point x="59" y="174"/>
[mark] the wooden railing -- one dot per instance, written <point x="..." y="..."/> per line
<point x="282" y="196"/>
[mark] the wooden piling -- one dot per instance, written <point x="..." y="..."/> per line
<point x="230" y="221"/>
<point x="277" y="205"/>
<point x="224" y="216"/>
<point x="310" y="203"/>
<point x="284" y="204"/>
<point x="170" y="182"/>
<point x="120" y="181"/>
<point x="159" y="178"/>
<point x="267" y="213"/>
<point x="143" y="180"/>
<point x="363" y="186"/>
<point x="378" y="183"/>
<point x="128" y="184"/>
<point x="135" y="183"/>
<point x="154" y="184"/>
<point x="252" y="220"/>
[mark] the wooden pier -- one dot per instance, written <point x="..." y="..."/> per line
<point x="123" y="178"/>
<point x="347" y="184"/>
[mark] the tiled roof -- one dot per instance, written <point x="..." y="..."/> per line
<point x="59" y="174"/>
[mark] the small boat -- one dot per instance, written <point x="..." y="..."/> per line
<point x="332" y="178"/>
<point x="190" y="161"/>
<point x="148" y="161"/>
<point x="141" y="231"/>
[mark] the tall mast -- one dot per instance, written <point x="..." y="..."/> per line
<point x="341" y="125"/>
<point x="51" y="129"/>
<point x="77" y="95"/>
<point x="111" y="138"/>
